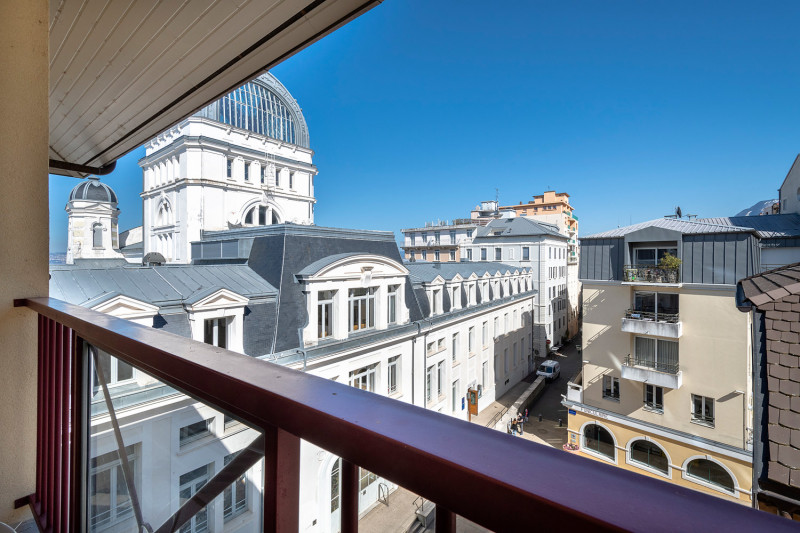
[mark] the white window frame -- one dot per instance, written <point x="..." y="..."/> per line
<point x="355" y="308"/>
<point x="233" y="492"/>
<point x="193" y="485"/>
<point x="119" y="510"/>
<point x="613" y="386"/>
<point x="653" y="408"/>
<point x="701" y="418"/>
<point x="393" y="375"/>
<point x="364" y="378"/>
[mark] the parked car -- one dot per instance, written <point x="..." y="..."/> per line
<point x="550" y="370"/>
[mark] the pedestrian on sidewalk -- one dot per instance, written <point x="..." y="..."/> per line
<point x="508" y="426"/>
<point x="526" y="415"/>
<point x="520" y="424"/>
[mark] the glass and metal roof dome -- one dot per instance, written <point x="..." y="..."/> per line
<point x="262" y="106"/>
<point x="92" y="190"/>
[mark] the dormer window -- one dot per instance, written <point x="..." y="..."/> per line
<point x="362" y="308"/>
<point x="325" y="314"/>
<point x="216" y="332"/>
<point x="391" y="300"/>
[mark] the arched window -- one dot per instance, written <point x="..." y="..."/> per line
<point x="257" y="216"/>
<point x="335" y="492"/>
<point x="597" y="439"/>
<point x="164" y="215"/>
<point x="650" y="455"/>
<point x="710" y="472"/>
<point x="97" y="235"/>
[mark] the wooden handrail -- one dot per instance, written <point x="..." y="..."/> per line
<point x="486" y="476"/>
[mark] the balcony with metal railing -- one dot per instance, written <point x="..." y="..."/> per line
<point x="465" y="469"/>
<point x="651" y="274"/>
<point x="652" y="323"/>
<point x="652" y="371"/>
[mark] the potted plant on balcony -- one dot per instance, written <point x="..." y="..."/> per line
<point x="670" y="265"/>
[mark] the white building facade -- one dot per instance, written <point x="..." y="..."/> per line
<point x="242" y="161"/>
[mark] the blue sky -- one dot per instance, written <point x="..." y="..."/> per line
<point x="418" y="110"/>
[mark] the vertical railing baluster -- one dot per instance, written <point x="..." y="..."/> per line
<point x="66" y="357"/>
<point x="39" y="409"/>
<point x="281" y="481"/>
<point x="52" y="422"/>
<point x="78" y="423"/>
<point x="46" y="399"/>
<point x="349" y="490"/>
<point x="445" y="520"/>
<point x="58" y="405"/>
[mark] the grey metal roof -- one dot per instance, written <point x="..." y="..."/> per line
<point x="158" y="285"/>
<point x="420" y="272"/>
<point x="767" y="226"/>
<point x="93" y="190"/>
<point x="321" y="263"/>
<point x="682" y="226"/>
<point x="516" y="227"/>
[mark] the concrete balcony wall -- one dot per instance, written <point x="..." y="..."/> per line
<point x="672" y="330"/>
<point x="652" y="377"/>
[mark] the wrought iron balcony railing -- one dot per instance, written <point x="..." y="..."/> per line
<point x="671" y="318"/>
<point x="481" y="474"/>
<point x="651" y="274"/>
<point x="658" y="366"/>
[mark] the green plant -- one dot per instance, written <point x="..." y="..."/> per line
<point x="670" y="262"/>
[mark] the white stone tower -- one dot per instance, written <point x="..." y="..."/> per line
<point x="93" y="213"/>
<point x="242" y="161"/>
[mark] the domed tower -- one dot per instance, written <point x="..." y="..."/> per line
<point x="242" y="161"/>
<point x="93" y="213"/>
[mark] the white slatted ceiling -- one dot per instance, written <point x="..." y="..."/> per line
<point x="116" y="65"/>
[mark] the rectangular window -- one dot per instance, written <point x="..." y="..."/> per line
<point x="431" y="348"/>
<point x="454" y="396"/>
<point x="393" y="377"/>
<point x="195" y="431"/>
<point x="452" y="237"/>
<point x="658" y="354"/>
<point x="277" y="177"/>
<point x="440" y="378"/>
<point x="610" y="388"/>
<point x="364" y="378"/>
<point x="234" y="497"/>
<point x="526" y="253"/>
<point x="229" y="168"/>
<point x="291" y="180"/>
<point x="325" y="314"/>
<point x="413" y="255"/>
<point x="429" y="384"/>
<point x="703" y="410"/>
<point x="497" y="331"/>
<point x="362" y="308"/>
<point x="483" y="254"/>
<point x="113" y="370"/>
<point x="485" y="334"/>
<point x="505" y="360"/>
<point x="424" y="255"/>
<point x="505" y="323"/>
<point x="109" y="500"/>
<point x="484" y="374"/>
<point x="469" y="254"/>
<point x="514" y="355"/>
<point x="452" y="255"/>
<point x="440" y="345"/>
<point x="216" y="332"/>
<point x="654" y="398"/>
<point x="454" y="347"/>
<point x="515" y="323"/>
<point x="437" y="235"/>
<point x="263" y="175"/>
<point x="471" y="340"/>
<point x="424" y="237"/>
<point x="497" y="254"/>
<point x="190" y="483"/>
<point x="436" y="256"/>
<point x="246" y="171"/>
<point x="392" y="303"/>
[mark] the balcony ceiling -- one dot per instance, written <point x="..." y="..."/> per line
<point x="122" y="72"/>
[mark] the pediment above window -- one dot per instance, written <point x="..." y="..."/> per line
<point x="215" y="298"/>
<point x="352" y="266"/>
<point x="124" y="307"/>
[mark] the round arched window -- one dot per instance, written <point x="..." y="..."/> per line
<point x="650" y="455"/>
<point x="710" y="472"/>
<point x="599" y="440"/>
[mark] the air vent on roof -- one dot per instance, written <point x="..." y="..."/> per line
<point x="153" y="259"/>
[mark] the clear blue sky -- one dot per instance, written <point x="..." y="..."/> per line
<point x="418" y="110"/>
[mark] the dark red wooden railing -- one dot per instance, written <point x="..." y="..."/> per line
<point x="486" y="476"/>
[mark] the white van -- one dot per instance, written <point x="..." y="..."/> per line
<point x="550" y="370"/>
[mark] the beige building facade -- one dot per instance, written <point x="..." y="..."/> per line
<point x="666" y="383"/>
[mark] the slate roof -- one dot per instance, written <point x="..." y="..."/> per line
<point x="772" y="285"/>
<point x="516" y="227"/>
<point x="421" y="272"/>
<point x="701" y="226"/>
<point x="766" y="226"/>
<point x="158" y="285"/>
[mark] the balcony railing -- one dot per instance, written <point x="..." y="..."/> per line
<point x="670" y="318"/>
<point x="483" y="475"/>
<point x="658" y="366"/>
<point x="650" y="274"/>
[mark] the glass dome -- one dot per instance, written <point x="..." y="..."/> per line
<point x="262" y="106"/>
